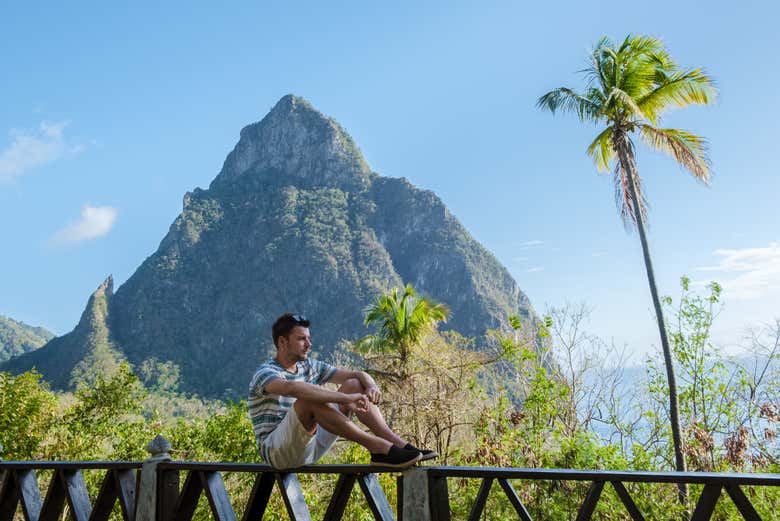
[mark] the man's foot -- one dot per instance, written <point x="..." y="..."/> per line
<point x="396" y="458"/>
<point x="426" y="453"/>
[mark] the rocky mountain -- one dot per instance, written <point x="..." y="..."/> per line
<point x="79" y="355"/>
<point x="295" y="221"/>
<point x="17" y="338"/>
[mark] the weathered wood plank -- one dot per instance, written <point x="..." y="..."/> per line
<point x="292" y="494"/>
<point x="258" y="499"/>
<point x="589" y="505"/>
<point x="168" y="493"/>
<point x="126" y="486"/>
<point x="30" y="494"/>
<point x="509" y="490"/>
<point x="439" y="498"/>
<point x="399" y="497"/>
<point x="9" y="496"/>
<point x="54" y="503"/>
<point x="104" y="503"/>
<point x="340" y="497"/>
<point x="706" y="504"/>
<point x="377" y="500"/>
<point x="481" y="499"/>
<point x="188" y="499"/>
<point x="218" y="497"/>
<point x="78" y="498"/>
<point x="628" y="501"/>
<point x="742" y="502"/>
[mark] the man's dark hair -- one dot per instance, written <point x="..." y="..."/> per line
<point x="285" y="324"/>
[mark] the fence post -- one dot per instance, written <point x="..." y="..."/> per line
<point x="416" y="502"/>
<point x="146" y="504"/>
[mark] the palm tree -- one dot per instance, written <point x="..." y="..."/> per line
<point x="629" y="87"/>
<point x="402" y="320"/>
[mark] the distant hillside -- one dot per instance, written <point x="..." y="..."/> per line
<point x="17" y="338"/>
<point x="79" y="355"/>
<point x="295" y="221"/>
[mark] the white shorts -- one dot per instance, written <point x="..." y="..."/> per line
<point x="290" y="445"/>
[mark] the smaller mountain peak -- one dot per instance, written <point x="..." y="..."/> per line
<point x="298" y="144"/>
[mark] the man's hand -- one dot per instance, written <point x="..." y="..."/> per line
<point x="373" y="393"/>
<point x="357" y="402"/>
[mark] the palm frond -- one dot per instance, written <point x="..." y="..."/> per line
<point x="679" y="89"/>
<point x="567" y="100"/>
<point x="601" y="149"/>
<point x="688" y="149"/>
<point x="647" y="48"/>
<point x="623" y="105"/>
<point x="401" y="320"/>
<point x="371" y="344"/>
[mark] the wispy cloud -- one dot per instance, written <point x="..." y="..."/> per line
<point x="534" y="269"/>
<point x="598" y="254"/>
<point x="531" y="244"/>
<point x="519" y="259"/>
<point x="749" y="272"/>
<point x="29" y="150"/>
<point x="95" y="221"/>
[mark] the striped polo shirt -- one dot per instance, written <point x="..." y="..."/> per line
<point x="267" y="410"/>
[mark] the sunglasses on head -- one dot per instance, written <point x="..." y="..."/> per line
<point x="298" y="319"/>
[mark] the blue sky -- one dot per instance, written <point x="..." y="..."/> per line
<point x="110" y="114"/>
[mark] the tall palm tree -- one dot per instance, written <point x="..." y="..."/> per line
<point x="629" y="86"/>
<point x="402" y="319"/>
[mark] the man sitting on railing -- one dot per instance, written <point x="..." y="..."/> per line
<point x="292" y="382"/>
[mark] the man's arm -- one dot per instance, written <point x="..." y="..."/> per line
<point x="316" y="394"/>
<point x="372" y="389"/>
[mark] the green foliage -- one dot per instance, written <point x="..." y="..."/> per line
<point x="27" y="410"/>
<point x="17" y="338"/>
<point x="159" y="376"/>
<point x="729" y="411"/>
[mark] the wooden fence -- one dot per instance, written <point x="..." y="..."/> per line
<point x="159" y="489"/>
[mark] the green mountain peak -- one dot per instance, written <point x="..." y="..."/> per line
<point x="295" y="221"/>
<point x="80" y="355"/>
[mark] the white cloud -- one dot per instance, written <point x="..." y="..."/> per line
<point x="33" y="149"/>
<point x="519" y="259"/>
<point x="95" y="221"/>
<point x="531" y="244"/>
<point x="534" y="269"/>
<point x="748" y="273"/>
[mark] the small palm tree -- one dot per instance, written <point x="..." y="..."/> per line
<point x="402" y="320"/>
<point x="629" y="87"/>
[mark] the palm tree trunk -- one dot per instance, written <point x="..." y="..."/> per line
<point x="626" y="158"/>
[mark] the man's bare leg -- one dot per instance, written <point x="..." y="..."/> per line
<point x="372" y="417"/>
<point x="336" y="422"/>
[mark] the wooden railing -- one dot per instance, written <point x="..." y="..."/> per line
<point x="713" y="486"/>
<point x="19" y="488"/>
<point x="178" y="502"/>
<point x="159" y="489"/>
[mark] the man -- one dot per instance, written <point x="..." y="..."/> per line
<point x="296" y="421"/>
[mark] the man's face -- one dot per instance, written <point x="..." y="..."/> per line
<point x="296" y="344"/>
